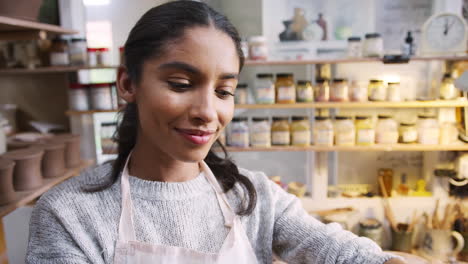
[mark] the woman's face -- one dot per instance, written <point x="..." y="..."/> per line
<point x="186" y="96"/>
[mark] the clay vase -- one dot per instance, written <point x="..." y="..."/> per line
<point x="72" y="149"/>
<point x="27" y="173"/>
<point x="53" y="161"/>
<point x="7" y="192"/>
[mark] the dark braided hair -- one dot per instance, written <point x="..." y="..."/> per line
<point x="149" y="38"/>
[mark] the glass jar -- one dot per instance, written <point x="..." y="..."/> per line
<point x="386" y="130"/>
<point x="358" y="92"/>
<point x="408" y="133"/>
<point x="78" y="52"/>
<point x="285" y="89"/>
<point x="365" y="132"/>
<point x="345" y="132"/>
<point x="241" y="94"/>
<point x="393" y="92"/>
<point x="300" y="131"/>
<point x="239" y="136"/>
<point x="78" y="97"/>
<point x="377" y="91"/>
<point x="101" y="96"/>
<point x="305" y="93"/>
<point x="354" y="47"/>
<point x="59" y="52"/>
<point x="323" y="131"/>
<point x="92" y="57"/>
<point x="339" y="91"/>
<point x="258" y="49"/>
<point x="260" y="132"/>
<point x="373" y="45"/>
<point x="372" y="229"/>
<point x="280" y="131"/>
<point x="447" y="88"/>
<point x="265" y="88"/>
<point x="448" y="133"/>
<point x="103" y="57"/>
<point x="322" y="90"/>
<point x="428" y="130"/>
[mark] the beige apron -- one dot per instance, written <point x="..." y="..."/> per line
<point x="235" y="249"/>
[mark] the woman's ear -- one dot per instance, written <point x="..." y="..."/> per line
<point x="125" y="87"/>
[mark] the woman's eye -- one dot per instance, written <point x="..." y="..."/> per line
<point x="223" y="94"/>
<point x="179" y="85"/>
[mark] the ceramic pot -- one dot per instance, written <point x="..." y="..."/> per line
<point x="27" y="173"/>
<point x="53" y="161"/>
<point x="7" y="192"/>
<point x="437" y="243"/>
<point x="401" y="241"/>
<point x="72" y="149"/>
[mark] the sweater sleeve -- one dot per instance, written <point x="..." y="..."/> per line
<point x="300" y="238"/>
<point x="49" y="240"/>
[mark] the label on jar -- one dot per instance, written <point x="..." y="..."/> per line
<point x="59" y="59"/>
<point x="305" y="95"/>
<point x="258" y="52"/>
<point x="345" y="137"/>
<point x="266" y="95"/>
<point x="324" y="137"/>
<point x="387" y="137"/>
<point x="239" y="139"/>
<point x="280" y="138"/>
<point x="286" y="93"/>
<point x="365" y="136"/>
<point x="378" y="94"/>
<point x="410" y="136"/>
<point x="261" y="139"/>
<point x="301" y="137"/>
<point x="429" y="136"/>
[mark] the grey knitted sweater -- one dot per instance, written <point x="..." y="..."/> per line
<point x="72" y="226"/>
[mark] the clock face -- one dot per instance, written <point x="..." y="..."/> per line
<point x="445" y="33"/>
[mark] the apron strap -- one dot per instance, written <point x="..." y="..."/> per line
<point x="126" y="228"/>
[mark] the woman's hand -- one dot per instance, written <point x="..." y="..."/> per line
<point x="395" y="261"/>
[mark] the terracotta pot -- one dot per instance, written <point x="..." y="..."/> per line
<point x="7" y="192"/>
<point x="53" y="161"/>
<point x="72" y="149"/>
<point x="27" y="173"/>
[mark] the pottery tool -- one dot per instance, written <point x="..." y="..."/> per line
<point x="414" y="221"/>
<point x="386" y="204"/>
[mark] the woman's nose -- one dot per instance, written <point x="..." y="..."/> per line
<point x="203" y="106"/>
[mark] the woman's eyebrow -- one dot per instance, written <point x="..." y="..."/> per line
<point x="227" y="76"/>
<point x="179" y="65"/>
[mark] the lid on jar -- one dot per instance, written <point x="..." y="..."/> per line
<point x="25" y="153"/>
<point x="321" y="118"/>
<point x="59" y="40"/>
<point x="240" y="119"/>
<point x="372" y="35"/>
<point x="343" y="117"/>
<point x="354" y="39"/>
<point x="78" y="40"/>
<point x="102" y="49"/>
<point x="299" y="118"/>
<point x="362" y="117"/>
<point x="280" y="118"/>
<point x="407" y="124"/>
<point x="370" y="223"/>
<point x="376" y="81"/>
<point x="303" y="82"/>
<point x="257" y="39"/>
<point x="242" y="85"/>
<point x="426" y="116"/>
<point x="264" y="75"/>
<point x="6" y="163"/>
<point x="447" y="75"/>
<point x="339" y="80"/>
<point x="393" y="83"/>
<point x="92" y="49"/>
<point x="122" y="48"/>
<point x="321" y="80"/>
<point x="284" y="75"/>
<point x="100" y="85"/>
<point x="260" y="118"/>
<point x="78" y="86"/>
<point x="384" y="116"/>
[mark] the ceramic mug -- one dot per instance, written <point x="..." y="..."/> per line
<point x="464" y="252"/>
<point x="401" y="241"/>
<point x="437" y="243"/>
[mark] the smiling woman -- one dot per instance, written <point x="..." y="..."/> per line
<point x="168" y="198"/>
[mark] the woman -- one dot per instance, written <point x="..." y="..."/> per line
<point x="182" y="204"/>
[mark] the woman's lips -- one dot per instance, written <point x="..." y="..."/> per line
<point x="198" y="137"/>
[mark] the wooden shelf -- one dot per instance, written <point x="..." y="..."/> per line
<point x="25" y="197"/>
<point x="63" y="69"/>
<point x="14" y="25"/>
<point x="460" y="146"/>
<point x="346" y="60"/>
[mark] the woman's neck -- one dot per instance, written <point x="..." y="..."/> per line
<point x="149" y="163"/>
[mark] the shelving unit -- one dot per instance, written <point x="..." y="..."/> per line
<point x="18" y="29"/>
<point x="42" y="70"/>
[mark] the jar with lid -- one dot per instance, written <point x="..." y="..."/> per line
<point x="345" y="131"/>
<point x="408" y="133"/>
<point x="260" y="132"/>
<point x="241" y="94"/>
<point x="285" y="88"/>
<point x="322" y="90"/>
<point x="245" y="48"/>
<point x="265" y="88"/>
<point x="393" y="92"/>
<point x="354" y="47"/>
<point x="258" y="49"/>
<point x="78" y="97"/>
<point x="300" y="131"/>
<point x="59" y="52"/>
<point x="447" y="88"/>
<point x="239" y="133"/>
<point x="386" y="130"/>
<point x="372" y="229"/>
<point x="101" y="96"/>
<point x="103" y="57"/>
<point x="448" y="133"/>
<point x="305" y="93"/>
<point x="358" y="92"/>
<point x="92" y="57"/>
<point x="377" y="90"/>
<point x="373" y="45"/>
<point x="428" y="130"/>
<point x="280" y="131"/>
<point x="78" y="52"/>
<point x="121" y="55"/>
<point x="339" y="91"/>
<point x="323" y="131"/>
<point x="365" y="132"/>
